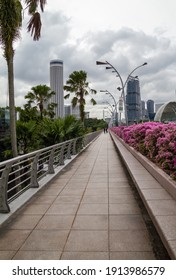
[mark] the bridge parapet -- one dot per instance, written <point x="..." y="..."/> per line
<point x="19" y="174"/>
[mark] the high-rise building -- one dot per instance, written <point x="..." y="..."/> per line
<point x="68" y="110"/>
<point x="133" y="101"/>
<point x="150" y="109"/>
<point x="56" y="85"/>
<point x="143" y="110"/>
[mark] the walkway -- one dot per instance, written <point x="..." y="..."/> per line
<point x="87" y="212"/>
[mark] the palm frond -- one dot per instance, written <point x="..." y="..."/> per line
<point x="34" y="26"/>
<point x="74" y="101"/>
<point x="93" y="91"/>
<point x="93" y="101"/>
<point x="32" y="5"/>
<point x="67" y="96"/>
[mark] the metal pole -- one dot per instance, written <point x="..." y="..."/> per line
<point x="123" y="92"/>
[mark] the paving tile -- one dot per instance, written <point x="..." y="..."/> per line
<point x="12" y="239"/>
<point x="153" y="194"/>
<point x="50" y="222"/>
<point x="94" y="209"/>
<point x="121" y="198"/>
<point x="7" y="255"/>
<point x="87" y="241"/>
<point x="149" y="184"/>
<point x="37" y="255"/>
<point x="118" y="185"/>
<point x="142" y="177"/>
<point x="67" y="199"/>
<point x="120" y="190"/>
<point x="73" y="192"/>
<point x="91" y="222"/>
<point x="44" y="199"/>
<point x="24" y="222"/>
<point x="35" y="209"/>
<point x="52" y="191"/>
<point x="124" y="240"/>
<point x="62" y="209"/>
<point x="163" y="207"/>
<point x="95" y="192"/>
<point x="168" y="225"/>
<point x="98" y="179"/>
<point x="118" y="179"/>
<point x="85" y="256"/>
<point x="126" y="222"/>
<point x="96" y="185"/>
<point x="95" y="199"/>
<point x="41" y="240"/>
<point x="123" y="209"/>
<point x="132" y="256"/>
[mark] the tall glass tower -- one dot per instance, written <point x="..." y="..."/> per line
<point x="133" y="101"/>
<point x="56" y="85"/>
<point x="150" y="109"/>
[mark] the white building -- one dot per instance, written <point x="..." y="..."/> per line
<point x="56" y="85"/>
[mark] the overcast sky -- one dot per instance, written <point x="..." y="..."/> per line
<point x="79" y="32"/>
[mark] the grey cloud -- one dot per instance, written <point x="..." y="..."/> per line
<point x="124" y="48"/>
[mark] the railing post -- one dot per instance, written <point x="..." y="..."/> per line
<point x="84" y="142"/>
<point x="4" y="207"/>
<point x="61" y="162"/>
<point x="69" y="150"/>
<point x="34" y="182"/>
<point x="51" y="162"/>
<point x="74" y="147"/>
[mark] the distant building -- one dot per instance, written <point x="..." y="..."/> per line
<point x="4" y="122"/>
<point x="76" y="112"/>
<point x="150" y="109"/>
<point x="143" y="110"/>
<point x="167" y="112"/>
<point x="68" y="110"/>
<point x="133" y="101"/>
<point x="56" y="85"/>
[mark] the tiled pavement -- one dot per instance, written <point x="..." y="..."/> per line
<point x="87" y="212"/>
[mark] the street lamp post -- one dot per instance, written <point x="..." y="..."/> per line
<point x="122" y="83"/>
<point x="115" y="104"/>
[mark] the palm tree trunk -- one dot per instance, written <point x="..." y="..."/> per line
<point x="12" y="105"/>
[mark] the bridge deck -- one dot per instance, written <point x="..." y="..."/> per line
<point x="88" y="212"/>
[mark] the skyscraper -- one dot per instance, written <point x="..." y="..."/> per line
<point x="150" y="109"/>
<point x="133" y="101"/>
<point x="56" y="85"/>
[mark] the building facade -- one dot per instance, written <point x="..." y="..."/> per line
<point x="56" y="85"/>
<point x="4" y="122"/>
<point x="150" y="109"/>
<point x="166" y="113"/>
<point x="133" y="101"/>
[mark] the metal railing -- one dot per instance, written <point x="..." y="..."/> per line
<point x="23" y="172"/>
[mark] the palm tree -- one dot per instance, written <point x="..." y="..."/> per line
<point x="40" y="95"/>
<point x="10" y="24"/>
<point x="77" y="83"/>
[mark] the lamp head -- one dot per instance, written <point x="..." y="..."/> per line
<point x="101" y="63"/>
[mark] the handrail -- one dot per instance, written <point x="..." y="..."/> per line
<point x="23" y="172"/>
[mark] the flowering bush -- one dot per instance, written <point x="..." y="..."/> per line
<point x="157" y="141"/>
